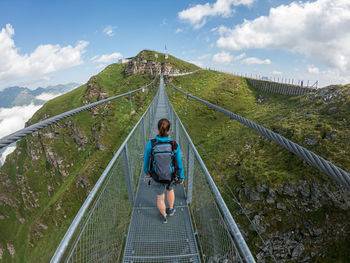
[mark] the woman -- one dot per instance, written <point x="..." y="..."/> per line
<point x="162" y="160"/>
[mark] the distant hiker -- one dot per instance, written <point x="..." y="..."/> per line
<point x="162" y="162"/>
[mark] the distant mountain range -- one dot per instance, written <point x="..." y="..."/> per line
<point x="20" y="96"/>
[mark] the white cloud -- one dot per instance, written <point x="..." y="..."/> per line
<point x="106" y="58"/>
<point x="100" y="66"/>
<point x="223" y="57"/>
<point x="44" y="59"/>
<point x="197" y="63"/>
<point x="197" y="14"/>
<point x="205" y="56"/>
<point x="318" y="29"/>
<point x="239" y="57"/>
<point x="33" y="81"/>
<point x="329" y="77"/>
<point x="13" y="119"/>
<point x="275" y="72"/>
<point x="178" y="30"/>
<point x="48" y="96"/>
<point x="313" y="69"/>
<point x="8" y="150"/>
<point x="254" y="60"/>
<point x="109" y="30"/>
<point x="94" y="58"/>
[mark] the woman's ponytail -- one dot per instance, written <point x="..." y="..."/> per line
<point x="163" y="127"/>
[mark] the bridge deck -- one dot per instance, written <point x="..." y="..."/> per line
<point x="149" y="240"/>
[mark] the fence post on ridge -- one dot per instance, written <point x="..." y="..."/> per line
<point x="127" y="173"/>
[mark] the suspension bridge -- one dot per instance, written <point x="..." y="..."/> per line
<point x="119" y="220"/>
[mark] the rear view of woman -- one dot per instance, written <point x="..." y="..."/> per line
<point x="162" y="163"/>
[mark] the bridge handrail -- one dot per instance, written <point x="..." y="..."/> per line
<point x="343" y="177"/>
<point x="72" y="230"/>
<point x="40" y="125"/>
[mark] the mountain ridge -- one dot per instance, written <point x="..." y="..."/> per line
<point x="21" y="96"/>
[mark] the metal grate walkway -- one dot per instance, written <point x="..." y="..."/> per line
<point x="149" y="240"/>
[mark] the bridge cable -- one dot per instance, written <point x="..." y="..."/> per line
<point x="5" y="141"/>
<point x="313" y="159"/>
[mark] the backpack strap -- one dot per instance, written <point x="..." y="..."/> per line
<point x="153" y="143"/>
<point x="174" y="146"/>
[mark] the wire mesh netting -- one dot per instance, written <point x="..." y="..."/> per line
<point x="216" y="242"/>
<point x="101" y="235"/>
<point x="135" y="147"/>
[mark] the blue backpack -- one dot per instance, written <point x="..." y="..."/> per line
<point x="163" y="165"/>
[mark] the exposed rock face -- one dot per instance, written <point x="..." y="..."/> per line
<point x="301" y="237"/>
<point x="141" y="65"/>
<point x="11" y="249"/>
<point x="81" y="182"/>
<point x="94" y="91"/>
<point x="329" y="94"/>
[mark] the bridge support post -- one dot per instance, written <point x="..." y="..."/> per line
<point x="149" y="121"/>
<point x="127" y="173"/>
<point x="173" y="121"/>
<point x="177" y="130"/>
<point x="143" y="133"/>
<point x="190" y="173"/>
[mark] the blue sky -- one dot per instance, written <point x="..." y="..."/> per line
<point x="51" y="42"/>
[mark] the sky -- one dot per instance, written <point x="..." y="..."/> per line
<point x="55" y="42"/>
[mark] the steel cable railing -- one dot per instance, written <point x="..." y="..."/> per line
<point x="313" y="159"/>
<point x="219" y="237"/>
<point x="37" y="126"/>
<point x="98" y="230"/>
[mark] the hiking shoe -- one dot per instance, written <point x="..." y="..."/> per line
<point x="171" y="211"/>
<point x="164" y="219"/>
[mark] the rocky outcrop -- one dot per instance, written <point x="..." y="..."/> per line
<point x="97" y="132"/>
<point x="77" y="135"/>
<point x="81" y="182"/>
<point x="306" y="212"/>
<point x="11" y="249"/>
<point x="140" y="65"/>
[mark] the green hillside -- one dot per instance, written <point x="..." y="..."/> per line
<point x="293" y="205"/>
<point x="46" y="180"/>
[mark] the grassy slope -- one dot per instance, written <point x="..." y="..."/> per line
<point x="245" y="159"/>
<point x="56" y="208"/>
